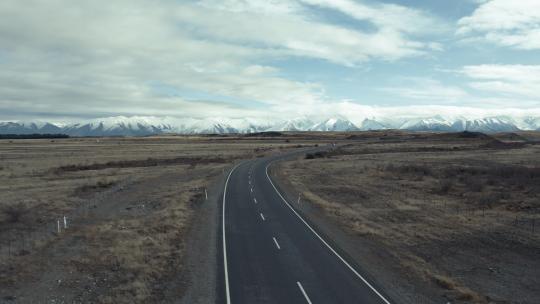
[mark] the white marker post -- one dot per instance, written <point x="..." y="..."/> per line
<point x="298" y="199"/>
<point x="58" y="226"/>
<point x="65" y="222"/>
<point x="205" y="193"/>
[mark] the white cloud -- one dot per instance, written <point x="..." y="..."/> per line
<point x="520" y="81"/>
<point x="428" y="90"/>
<point x="285" y="28"/>
<point x="505" y="22"/>
<point x="83" y="57"/>
<point x="267" y="7"/>
<point x="88" y="59"/>
<point x="358" y="112"/>
<point x="485" y="86"/>
<point x="389" y="17"/>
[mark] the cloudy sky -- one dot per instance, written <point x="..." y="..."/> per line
<point x="65" y="59"/>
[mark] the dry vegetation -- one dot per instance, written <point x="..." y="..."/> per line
<point x="128" y="202"/>
<point x="458" y="212"/>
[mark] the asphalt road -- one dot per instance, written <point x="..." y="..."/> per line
<point x="270" y="254"/>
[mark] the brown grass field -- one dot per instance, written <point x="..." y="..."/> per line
<point x="458" y="213"/>
<point x="453" y="217"/>
<point x="129" y="203"/>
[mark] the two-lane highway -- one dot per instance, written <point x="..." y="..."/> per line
<point x="272" y="255"/>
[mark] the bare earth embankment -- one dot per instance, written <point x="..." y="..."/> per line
<point x="435" y="218"/>
<point x="129" y="203"/>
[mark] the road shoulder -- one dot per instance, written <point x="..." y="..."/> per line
<point x="202" y="245"/>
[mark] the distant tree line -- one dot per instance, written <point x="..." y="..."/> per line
<point x="32" y="136"/>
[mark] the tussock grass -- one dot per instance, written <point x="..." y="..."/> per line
<point x="149" y="162"/>
<point x="441" y="204"/>
<point x="13" y="214"/>
<point x="459" y="292"/>
<point x="129" y="204"/>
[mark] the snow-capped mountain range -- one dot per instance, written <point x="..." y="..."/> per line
<point x="141" y="126"/>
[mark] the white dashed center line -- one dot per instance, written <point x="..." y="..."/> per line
<point x="275" y="242"/>
<point x="262" y="216"/>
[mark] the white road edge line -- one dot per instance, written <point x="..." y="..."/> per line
<point x="275" y="242"/>
<point x="324" y="242"/>
<point x="262" y="216"/>
<point x="303" y="292"/>
<point x="225" y="267"/>
<point x="255" y="200"/>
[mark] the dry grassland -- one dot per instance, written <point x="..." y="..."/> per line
<point x="458" y="212"/>
<point x="129" y="203"/>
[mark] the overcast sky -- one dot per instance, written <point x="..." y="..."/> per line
<point x="65" y="59"/>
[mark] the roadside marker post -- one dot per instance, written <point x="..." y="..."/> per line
<point x="205" y="194"/>
<point x="65" y="222"/>
<point x="58" y="226"/>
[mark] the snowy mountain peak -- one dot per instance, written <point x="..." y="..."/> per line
<point x="335" y="124"/>
<point x="297" y="124"/>
<point x="436" y="123"/>
<point x="140" y="125"/>
<point x="373" y="124"/>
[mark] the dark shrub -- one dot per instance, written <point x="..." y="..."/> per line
<point x="444" y="187"/>
<point x="14" y="213"/>
<point x="319" y="154"/>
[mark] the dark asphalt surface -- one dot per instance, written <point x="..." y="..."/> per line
<point x="302" y="270"/>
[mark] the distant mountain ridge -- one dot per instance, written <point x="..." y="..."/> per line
<point x="142" y="125"/>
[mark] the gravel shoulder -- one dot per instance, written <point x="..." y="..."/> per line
<point x="201" y="272"/>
